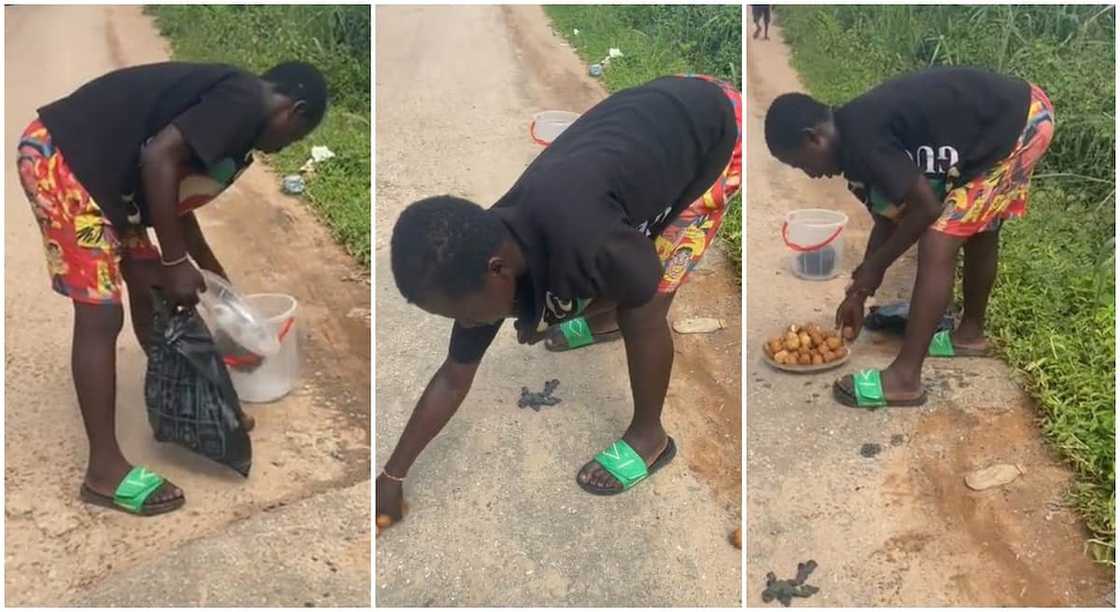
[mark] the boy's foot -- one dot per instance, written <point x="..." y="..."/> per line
<point x="876" y="389"/>
<point x="579" y="332"/>
<point x="650" y="448"/>
<point x="101" y="488"/>
<point x="958" y="344"/>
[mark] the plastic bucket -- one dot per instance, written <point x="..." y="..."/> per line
<point x="816" y="238"/>
<point x="277" y="374"/>
<point x="548" y="125"/>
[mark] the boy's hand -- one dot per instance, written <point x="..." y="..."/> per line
<point x="182" y="283"/>
<point x="850" y="315"/>
<point x="390" y="498"/>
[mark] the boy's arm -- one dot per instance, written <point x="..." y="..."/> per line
<point x="921" y="210"/>
<point x="441" y="399"/>
<point x="198" y="247"/>
<point x="159" y="178"/>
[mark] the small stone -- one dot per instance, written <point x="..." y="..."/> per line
<point x="870" y="449"/>
<point x="992" y="476"/>
<point x="898" y="440"/>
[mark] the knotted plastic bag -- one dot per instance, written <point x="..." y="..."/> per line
<point x="190" y="397"/>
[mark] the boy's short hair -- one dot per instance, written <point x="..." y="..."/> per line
<point x="443" y="244"/>
<point x="301" y="81"/>
<point x="787" y="119"/>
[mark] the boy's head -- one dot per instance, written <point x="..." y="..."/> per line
<point x="302" y="94"/>
<point x="800" y="133"/>
<point x="452" y="258"/>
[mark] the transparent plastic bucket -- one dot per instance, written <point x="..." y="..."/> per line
<point x="815" y="237"/>
<point x="277" y="374"/>
<point x="548" y="125"/>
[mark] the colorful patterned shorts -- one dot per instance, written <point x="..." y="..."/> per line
<point x="682" y="244"/>
<point x="84" y="250"/>
<point x="1001" y="193"/>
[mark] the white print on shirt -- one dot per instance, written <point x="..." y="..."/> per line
<point x="646" y="226"/>
<point x="929" y="162"/>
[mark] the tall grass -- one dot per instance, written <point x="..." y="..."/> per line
<point x="334" y="38"/>
<point x="656" y="41"/>
<point x="1053" y="309"/>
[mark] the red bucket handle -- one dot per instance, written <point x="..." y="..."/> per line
<point x="533" y="133"/>
<point x="802" y="249"/>
<point x="245" y="360"/>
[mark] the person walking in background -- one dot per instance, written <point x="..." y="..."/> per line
<point x="760" y="13"/>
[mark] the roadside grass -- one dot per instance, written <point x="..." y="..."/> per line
<point x="336" y="39"/>
<point x="1052" y="313"/>
<point x="657" y="41"/>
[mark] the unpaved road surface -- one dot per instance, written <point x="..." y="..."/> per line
<point x="496" y="516"/>
<point x="901" y="528"/>
<point x="314" y="441"/>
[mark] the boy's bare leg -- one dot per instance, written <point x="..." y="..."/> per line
<point x="933" y="290"/>
<point x="140" y="275"/>
<point x="981" y="262"/>
<point x="93" y="363"/>
<point x="649" y="356"/>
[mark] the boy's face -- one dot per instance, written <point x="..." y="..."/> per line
<point x="286" y="126"/>
<point x="816" y="156"/>
<point x="489" y="305"/>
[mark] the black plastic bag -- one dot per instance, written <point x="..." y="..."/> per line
<point x="188" y="392"/>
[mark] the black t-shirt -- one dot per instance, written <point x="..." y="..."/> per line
<point x="102" y="127"/>
<point x="586" y="210"/>
<point x="944" y="123"/>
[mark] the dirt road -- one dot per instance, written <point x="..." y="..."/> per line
<point x="496" y="517"/>
<point x="901" y="528"/>
<point x="314" y="441"/>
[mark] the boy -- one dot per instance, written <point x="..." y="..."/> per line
<point x="104" y="163"/>
<point x="590" y="244"/>
<point x="941" y="157"/>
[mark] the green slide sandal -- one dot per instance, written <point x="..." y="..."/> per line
<point x="942" y="346"/>
<point x="574" y="334"/>
<point x="627" y="466"/>
<point x="864" y="389"/>
<point x="132" y="493"/>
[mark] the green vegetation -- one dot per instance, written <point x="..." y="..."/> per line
<point x="336" y="39"/>
<point x="657" y="41"/>
<point x="1053" y="309"/>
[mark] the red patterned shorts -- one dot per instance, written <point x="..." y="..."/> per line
<point x="1001" y="193"/>
<point x="682" y="244"/>
<point x="84" y="250"/>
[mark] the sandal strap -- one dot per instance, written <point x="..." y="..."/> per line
<point x="624" y="463"/>
<point x="136" y="487"/>
<point x="942" y="345"/>
<point x="577" y="332"/>
<point x="868" y="388"/>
